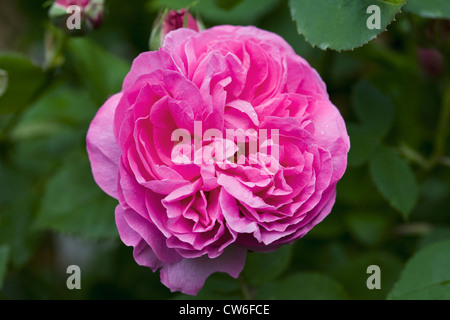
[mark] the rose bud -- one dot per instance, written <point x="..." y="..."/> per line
<point x="168" y="21"/>
<point x="77" y="17"/>
<point x="438" y="30"/>
<point x="431" y="62"/>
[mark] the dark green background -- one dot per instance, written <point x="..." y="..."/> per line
<point x="393" y="203"/>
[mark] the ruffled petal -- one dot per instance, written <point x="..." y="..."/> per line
<point x="103" y="150"/>
<point x="189" y="275"/>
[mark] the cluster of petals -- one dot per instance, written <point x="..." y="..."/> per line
<point x="191" y="219"/>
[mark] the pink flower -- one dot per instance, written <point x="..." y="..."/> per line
<point x="68" y="3"/>
<point x="192" y="219"/>
<point x="432" y="62"/>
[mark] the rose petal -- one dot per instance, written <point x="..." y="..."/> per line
<point x="127" y="234"/>
<point x="152" y="236"/>
<point x="102" y="148"/>
<point x="189" y="275"/>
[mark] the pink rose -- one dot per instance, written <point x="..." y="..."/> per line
<point x="194" y="217"/>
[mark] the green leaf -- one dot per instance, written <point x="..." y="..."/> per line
<point x="53" y="126"/>
<point x="23" y="80"/>
<point x="429" y="8"/>
<point x="74" y="204"/>
<point x="243" y="13"/>
<point x="341" y="24"/>
<point x="303" y="286"/>
<point x="100" y="71"/>
<point x="217" y="286"/>
<point x="394" y="179"/>
<point x="156" y="5"/>
<point x="4" y="259"/>
<point x="356" y="188"/>
<point x="363" y="144"/>
<point x="280" y="22"/>
<point x="352" y="274"/>
<point x="374" y="109"/>
<point x="426" y="275"/>
<point x="437" y="234"/>
<point x="3" y="81"/>
<point x="331" y="228"/>
<point x="263" y="267"/>
<point x="227" y="4"/>
<point x="368" y="227"/>
<point x="59" y="109"/>
<point x="16" y="213"/>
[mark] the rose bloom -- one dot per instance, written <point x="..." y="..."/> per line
<point x="190" y="220"/>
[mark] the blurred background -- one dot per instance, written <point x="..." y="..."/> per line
<point x="392" y="203"/>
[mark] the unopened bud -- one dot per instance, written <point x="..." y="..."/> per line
<point x="431" y="61"/>
<point x="168" y="21"/>
<point x="77" y="17"/>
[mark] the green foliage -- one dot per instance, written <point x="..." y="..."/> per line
<point x="4" y="259"/>
<point x="374" y="109"/>
<point x="72" y="203"/>
<point x="390" y="173"/>
<point x="426" y="275"/>
<point x="263" y="267"/>
<point x="352" y="274"/>
<point x="61" y="109"/>
<point x="370" y="228"/>
<point x="102" y="73"/>
<point x="16" y="202"/>
<point x="303" y="286"/>
<point x="18" y="92"/>
<point x="429" y="8"/>
<point x="213" y="12"/>
<point x="3" y="81"/>
<point x="435" y="235"/>
<point x="227" y="4"/>
<point x="363" y="144"/>
<point x="340" y="25"/>
<point x="53" y="214"/>
<point x="394" y="179"/>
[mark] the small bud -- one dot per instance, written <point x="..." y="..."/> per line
<point x="438" y="31"/>
<point x="168" y="21"/>
<point x="431" y="61"/>
<point x="77" y="17"/>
